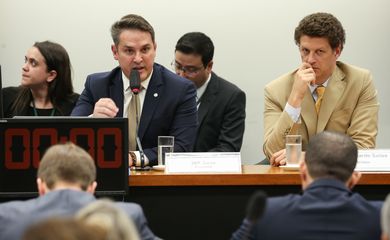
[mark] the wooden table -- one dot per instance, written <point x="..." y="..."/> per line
<point x="251" y="175"/>
<point x="211" y="206"/>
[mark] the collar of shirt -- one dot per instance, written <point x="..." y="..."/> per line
<point x="202" y="89"/>
<point x="127" y="92"/>
<point x="313" y="88"/>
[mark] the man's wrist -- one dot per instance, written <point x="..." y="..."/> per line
<point x="132" y="159"/>
<point x="136" y="159"/>
<point x="293" y="112"/>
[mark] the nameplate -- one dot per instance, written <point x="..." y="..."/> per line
<point x="203" y="162"/>
<point x="373" y="160"/>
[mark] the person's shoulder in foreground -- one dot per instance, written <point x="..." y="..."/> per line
<point x="327" y="208"/>
<point x="66" y="182"/>
<point x="327" y="176"/>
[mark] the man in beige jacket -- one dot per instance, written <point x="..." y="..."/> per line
<point x="349" y="102"/>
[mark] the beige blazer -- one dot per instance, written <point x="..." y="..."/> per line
<point x="349" y="106"/>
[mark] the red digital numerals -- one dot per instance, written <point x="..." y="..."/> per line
<point x="34" y="138"/>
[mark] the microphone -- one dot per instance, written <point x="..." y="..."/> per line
<point x="135" y="86"/>
<point x="256" y="206"/>
<point x="254" y="211"/>
<point x="135" y="81"/>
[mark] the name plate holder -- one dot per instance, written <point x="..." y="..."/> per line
<point x="373" y="160"/>
<point x="203" y="162"/>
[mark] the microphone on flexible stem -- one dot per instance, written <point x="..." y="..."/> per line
<point x="254" y="211"/>
<point x="256" y="206"/>
<point x="135" y="86"/>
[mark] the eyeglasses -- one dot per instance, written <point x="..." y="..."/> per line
<point x="189" y="71"/>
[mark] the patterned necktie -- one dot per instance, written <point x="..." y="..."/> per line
<point x="320" y="93"/>
<point x="132" y="112"/>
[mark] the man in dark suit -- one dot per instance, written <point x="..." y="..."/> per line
<point x="167" y="101"/>
<point x="66" y="183"/>
<point x="327" y="209"/>
<point x="221" y="104"/>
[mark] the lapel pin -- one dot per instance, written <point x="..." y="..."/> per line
<point x="155" y="94"/>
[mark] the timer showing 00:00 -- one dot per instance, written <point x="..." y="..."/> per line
<point x="33" y="138"/>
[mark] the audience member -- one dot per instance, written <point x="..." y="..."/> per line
<point x="221" y="104"/>
<point x="64" y="229"/>
<point x="166" y="101"/>
<point x="327" y="208"/>
<point x="46" y="87"/>
<point x="104" y="214"/>
<point x="66" y="183"/>
<point x="323" y="94"/>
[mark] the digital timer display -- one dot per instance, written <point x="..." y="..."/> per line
<point x="23" y="141"/>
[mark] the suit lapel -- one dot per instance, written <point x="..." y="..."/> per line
<point x="116" y="92"/>
<point x="208" y="98"/>
<point x="332" y="94"/>
<point x="152" y="98"/>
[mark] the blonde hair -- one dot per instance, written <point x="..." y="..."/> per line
<point x="63" y="229"/>
<point x="106" y="215"/>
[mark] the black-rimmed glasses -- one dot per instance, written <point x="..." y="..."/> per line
<point x="189" y="71"/>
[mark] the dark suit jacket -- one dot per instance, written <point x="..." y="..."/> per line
<point x="221" y="117"/>
<point x="169" y="107"/>
<point x="325" y="210"/>
<point x="17" y="216"/>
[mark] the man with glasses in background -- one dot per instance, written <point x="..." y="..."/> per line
<point x="221" y="104"/>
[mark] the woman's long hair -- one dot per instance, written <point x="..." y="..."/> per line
<point x="60" y="89"/>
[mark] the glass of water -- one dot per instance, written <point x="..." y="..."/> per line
<point x="165" y="145"/>
<point x="293" y="149"/>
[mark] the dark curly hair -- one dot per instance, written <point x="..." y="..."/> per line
<point x="321" y="25"/>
